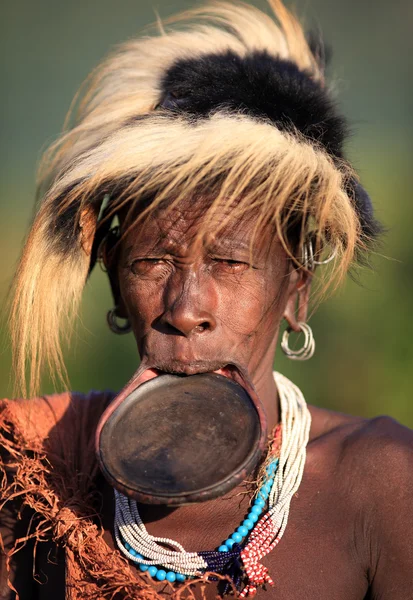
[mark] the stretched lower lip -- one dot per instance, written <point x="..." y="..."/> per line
<point x="229" y="371"/>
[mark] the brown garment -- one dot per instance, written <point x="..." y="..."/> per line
<point x="51" y="468"/>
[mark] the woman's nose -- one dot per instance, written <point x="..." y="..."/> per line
<point x="189" y="309"/>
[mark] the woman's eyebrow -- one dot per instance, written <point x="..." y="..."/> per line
<point x="156" y="244"/>
<point x="229" y="244"/>
<point x="145" y="246"/>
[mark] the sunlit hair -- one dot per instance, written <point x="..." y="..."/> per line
<point x="121" y="144"/>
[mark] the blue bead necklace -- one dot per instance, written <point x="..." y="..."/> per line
<point x="225" y="559"/>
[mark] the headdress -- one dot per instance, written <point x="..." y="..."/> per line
<point x="231" y="104"/>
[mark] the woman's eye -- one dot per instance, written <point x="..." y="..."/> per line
<point x="142" y="266"/>
<point x="230" y="265"/>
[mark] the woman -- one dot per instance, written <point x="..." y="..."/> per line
<point x="205" y="169"/>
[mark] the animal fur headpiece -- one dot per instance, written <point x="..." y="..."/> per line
<point x="230" y="104"/>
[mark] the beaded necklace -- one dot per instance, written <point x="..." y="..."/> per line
<point x="240" y="555"/>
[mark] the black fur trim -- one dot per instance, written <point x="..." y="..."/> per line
<point x="259" y="85"/>
<point x="264" y="87"/>
<point x="371" y="228"/>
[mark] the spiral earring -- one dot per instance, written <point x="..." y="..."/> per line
<point x="308" y="259"/>
<point x="114" y="326"/>
<point x="308" y="348"/>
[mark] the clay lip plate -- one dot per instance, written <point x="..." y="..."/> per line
<point x="179" y="439"/>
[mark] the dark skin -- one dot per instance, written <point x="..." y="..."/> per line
<point x="194" y="306"/>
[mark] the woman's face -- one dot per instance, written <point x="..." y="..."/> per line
<point x="197" y="306"/>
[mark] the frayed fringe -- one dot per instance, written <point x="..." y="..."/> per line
<point x="65" y="515"/>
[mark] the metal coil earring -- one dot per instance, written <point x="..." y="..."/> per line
<point x="308" y="259"/>
<point x="308" y="348"/>
<point x="114" y="326"/>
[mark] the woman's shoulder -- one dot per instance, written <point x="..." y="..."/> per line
<point x="359" y="434"/>
<point x="39" y="421"/>
<point x="386" y="449"/>
<point x="369" y="451"/>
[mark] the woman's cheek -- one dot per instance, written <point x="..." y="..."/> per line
<point x="142" y="300"/>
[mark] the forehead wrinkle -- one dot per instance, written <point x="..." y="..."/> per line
<point x="174" y="231"/>
<point x="159" y="238"/>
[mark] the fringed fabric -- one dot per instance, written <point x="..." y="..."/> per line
<point x="50" y="468"/>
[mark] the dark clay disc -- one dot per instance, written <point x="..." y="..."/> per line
<point x="176" y="440"/>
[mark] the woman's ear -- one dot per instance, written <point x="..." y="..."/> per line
<point x="296" y="308"/>
<point x="87" y="225"/>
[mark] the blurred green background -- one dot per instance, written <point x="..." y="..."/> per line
<point x="364" y="359"/>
